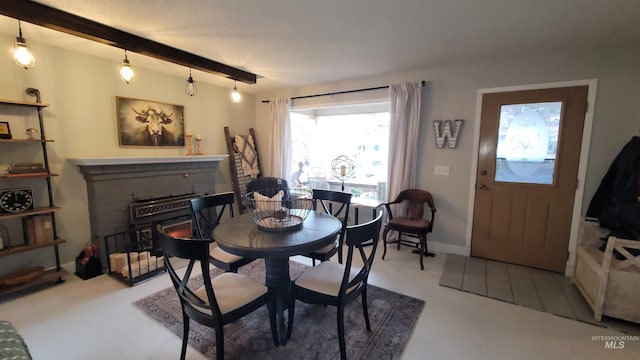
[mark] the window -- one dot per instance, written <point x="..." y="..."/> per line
<point x="359" y="132"/>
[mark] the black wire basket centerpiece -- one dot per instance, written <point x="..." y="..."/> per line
<point x="279" y="209"/>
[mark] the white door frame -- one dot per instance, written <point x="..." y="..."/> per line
<point x="582" y="167"/>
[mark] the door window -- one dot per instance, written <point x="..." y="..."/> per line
<point x="528" y="142"/>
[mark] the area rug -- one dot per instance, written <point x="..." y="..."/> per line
<point x="532" y="288"/>
<point x="393" y="317"/>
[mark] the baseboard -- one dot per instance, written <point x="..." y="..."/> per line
<point x="570" y="269"/>
<point x="70" y="267"/>
<point x="448" y="248"/>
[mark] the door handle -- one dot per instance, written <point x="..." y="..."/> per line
<point x="483" y="172"/>
<point x="484" y="187"/>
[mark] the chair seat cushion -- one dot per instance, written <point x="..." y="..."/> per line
<point x="223" y="256"/>
<point x="409" y="225"/>
<point x="324" y="278"/>
<point x="233" y="291"/>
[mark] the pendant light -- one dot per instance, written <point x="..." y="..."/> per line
<point x="126" y="72"/>
<point x="191" y="88"/>
<point x="235" y="95"/>
<point x="22" y="54"/>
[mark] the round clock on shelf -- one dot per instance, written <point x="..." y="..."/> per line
<point x="16" y="200"/>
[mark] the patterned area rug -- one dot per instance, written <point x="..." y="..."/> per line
<point x="392" y="316"/>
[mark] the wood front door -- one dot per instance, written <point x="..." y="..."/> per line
<point x="527" y="175"/>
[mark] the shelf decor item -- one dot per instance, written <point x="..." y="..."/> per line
<point x="16" y="200"/>
<point x="285" y="209"/>
<point x="4" y="237"/>
<point x="5" y="130"/>
<point x="27" y="168"/>
<point x="30" y="133"/>
<point x="21" y="276"/>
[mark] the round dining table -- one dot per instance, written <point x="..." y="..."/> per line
<point x="241" y="236"/>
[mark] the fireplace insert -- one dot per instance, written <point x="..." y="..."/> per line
<point x="132" y="255"/>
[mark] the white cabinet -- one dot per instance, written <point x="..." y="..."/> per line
<point x="610" y="286"/>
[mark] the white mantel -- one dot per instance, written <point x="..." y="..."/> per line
<point x="98" y="161"/>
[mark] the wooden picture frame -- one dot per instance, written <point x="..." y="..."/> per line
<point x="5" y="130"/>
<point x="145" y="123"/>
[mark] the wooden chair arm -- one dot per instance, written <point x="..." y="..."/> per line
<point x="388" y="207"/>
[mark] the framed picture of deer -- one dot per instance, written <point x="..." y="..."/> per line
<point x="144" y="123"/>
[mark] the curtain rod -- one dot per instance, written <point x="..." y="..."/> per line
<point x="340" y="92"/>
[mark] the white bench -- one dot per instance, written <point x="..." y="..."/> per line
<point x="610" y="286"/>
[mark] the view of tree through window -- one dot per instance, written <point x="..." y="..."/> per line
<point x="361" y="137"/>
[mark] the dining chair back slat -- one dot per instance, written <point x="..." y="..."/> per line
<point x="324" y="201"/>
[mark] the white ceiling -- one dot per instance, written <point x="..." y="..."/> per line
<point x="293" y="43"/>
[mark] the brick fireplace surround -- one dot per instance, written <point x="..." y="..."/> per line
<point x="114" y="183"/>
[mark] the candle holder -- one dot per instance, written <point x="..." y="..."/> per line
<point x="198" y="146"/>
<point x="188" y="139"/>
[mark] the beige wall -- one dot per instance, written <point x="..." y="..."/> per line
<point x="81" y="92"/>
<point x="451" y="94"/>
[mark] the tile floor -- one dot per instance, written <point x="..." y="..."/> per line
<point x="95" y="319"/>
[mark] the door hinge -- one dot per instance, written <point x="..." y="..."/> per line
<point x="567" y="259"/>
<point x="586" y="107"/>
<point x="577" y="183"/>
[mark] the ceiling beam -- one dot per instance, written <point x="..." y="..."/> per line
<point x="65" y="22"/>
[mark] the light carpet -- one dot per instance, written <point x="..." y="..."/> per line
<point x="393" y="317"/>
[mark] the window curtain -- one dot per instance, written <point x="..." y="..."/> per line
<point x="404" y="112"/>
<point x="280" y="152"/>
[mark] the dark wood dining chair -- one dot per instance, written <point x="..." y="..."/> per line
<point x="220" y="300"/>
<point x="208" y="211"/>
<point x="413" y="222"/>
<point x="331" y="283"/>
<point x="335" y="203"/>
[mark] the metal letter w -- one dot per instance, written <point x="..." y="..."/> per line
<point x="446" y="133"/>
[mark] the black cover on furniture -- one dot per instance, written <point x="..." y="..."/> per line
<point x="207" y="213"/>
<point x="413" y="222"/>
<point x="238" y="295"/>
<point x="338" y="285"/>
<point x="619" y="185"/>
<point x="267" y="186"/>
<point x="335" y="203"/>
<point x="615" y="204"/>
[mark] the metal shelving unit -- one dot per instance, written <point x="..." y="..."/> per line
<point x="54" y="275"/>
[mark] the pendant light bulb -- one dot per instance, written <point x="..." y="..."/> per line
<point x="235" y="95"/>
<point x="126" y="72"/>
<point x="22" y="54"/>
<point x="191" y="88"/>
